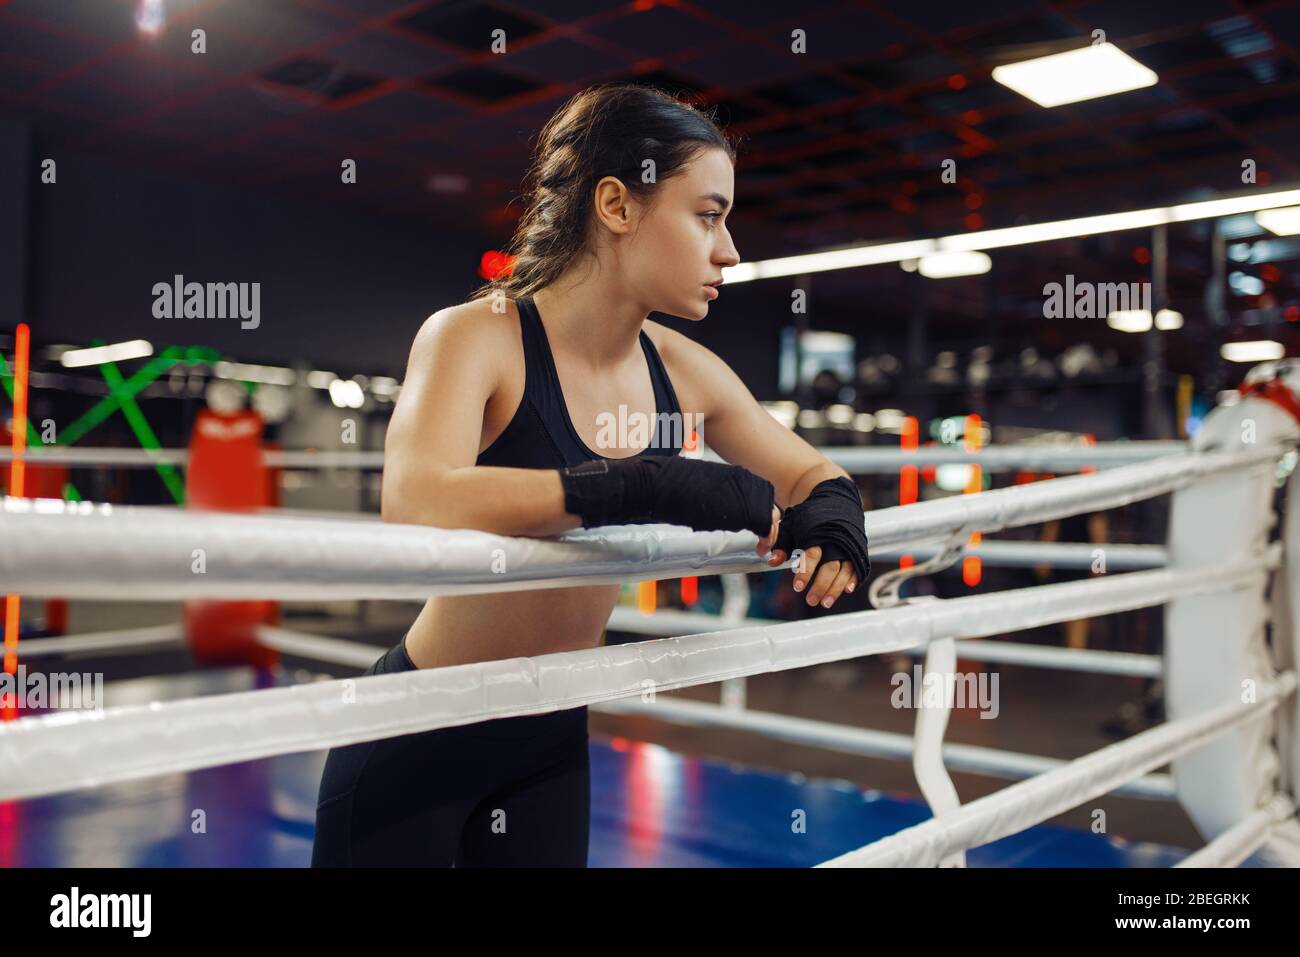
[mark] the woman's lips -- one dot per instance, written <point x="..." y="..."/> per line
<point x="713" y="290"/>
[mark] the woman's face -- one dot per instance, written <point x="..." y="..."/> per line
<point x="681" y="243"/>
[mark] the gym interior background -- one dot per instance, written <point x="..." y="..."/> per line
<point x="360" y="160"/>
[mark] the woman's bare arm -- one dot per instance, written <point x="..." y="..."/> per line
<point x="433" y="437"/>
<point x="743" y="433"/>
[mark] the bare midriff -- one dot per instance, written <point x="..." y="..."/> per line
<point x="463" y="629"/>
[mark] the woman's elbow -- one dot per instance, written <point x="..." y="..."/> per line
<point x="425" y="498"/>
<point x="398" y="505"/>
<point x="393" y="510"/>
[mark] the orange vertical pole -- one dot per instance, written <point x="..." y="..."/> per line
<point x="22" y="348"/>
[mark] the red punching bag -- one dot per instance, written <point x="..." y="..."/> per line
<point x="227" y="473"/>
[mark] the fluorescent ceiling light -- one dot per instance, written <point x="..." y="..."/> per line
<point x="1060" y="229"/>
<point x="1139" y="320"/>
<point x="834" y="259"/>
<point x="244" y="371"/>
<point x="346" y="394"/>
<point x="817" y="340"/>
<point x="889" y="420"/>
<point x="952" y="477"/>
<point x="1129" y="320"/>
<point x="839" y="414"/>
<point x="949" y="265"/>
<point x="1245" y="284"/>
<point x="878" y="253"/>
<point x="810" y="419"/>
<point x="150" y="16"/>
<point x="1261" y="350"/>
<point x="1282" y="222"/>
<point x="1084" y="74"/>
<point x="119" y="351"/>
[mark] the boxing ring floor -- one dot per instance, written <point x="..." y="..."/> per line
<point x="651" y="807"/>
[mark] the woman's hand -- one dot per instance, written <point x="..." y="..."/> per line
<point x="827" y="527"/>
<point x="833" y="578"/>
<point x="764" y="544"/>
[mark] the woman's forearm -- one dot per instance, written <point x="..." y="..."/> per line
<point x="506" y="501"/>
<point x="810" y="479"/>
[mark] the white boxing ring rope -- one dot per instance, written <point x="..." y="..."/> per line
<point x="1012" y="554"/>
<point x="97" y="551"/>
<point x="866" y="742"/>
<point x="665" y="623"/>
<point x="840" y="737"/>
<point x="81" y="550"/>
<point x="339" y="651"/>
<point x="107" y="642"/>
<point x="51" y="753"/>
<point x="1045" y="457"/>
<point x="668" y="623"/>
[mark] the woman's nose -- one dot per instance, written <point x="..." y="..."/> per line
<point x="728" y="255"/>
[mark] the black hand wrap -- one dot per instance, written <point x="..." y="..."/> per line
<point x="831" y="516"/>
<point x="668" y="488"/>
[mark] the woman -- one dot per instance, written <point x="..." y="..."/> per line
<point x="495" y="429"/>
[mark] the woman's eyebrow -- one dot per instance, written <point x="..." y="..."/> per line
<point x="719" y="199"/>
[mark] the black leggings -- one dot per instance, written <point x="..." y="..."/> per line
<point x="510" y="792"/>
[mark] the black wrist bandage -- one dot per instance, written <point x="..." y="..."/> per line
<point x="671" y="489"/>
<point x="831" y="517"/>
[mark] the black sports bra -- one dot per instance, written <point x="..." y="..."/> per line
<point x="541" y="434"/>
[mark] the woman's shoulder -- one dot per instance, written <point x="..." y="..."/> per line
<point x="679" y="352"/>
<point x="484" y="316"/>
<point x="479" y="323"/>
<point x="470" y="335"/>
<point x="668" y="342"/>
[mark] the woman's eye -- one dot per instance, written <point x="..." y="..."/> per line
<point x="712" y="218"/>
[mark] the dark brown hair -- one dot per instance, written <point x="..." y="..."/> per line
<point x="606" y="130"/>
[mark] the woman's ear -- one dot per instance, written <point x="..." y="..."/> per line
<point x="613" y="205"/>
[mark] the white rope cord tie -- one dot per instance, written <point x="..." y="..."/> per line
<point x="1239" y="842"/>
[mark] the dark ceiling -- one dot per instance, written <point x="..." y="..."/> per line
<point x="841" y="144"/>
